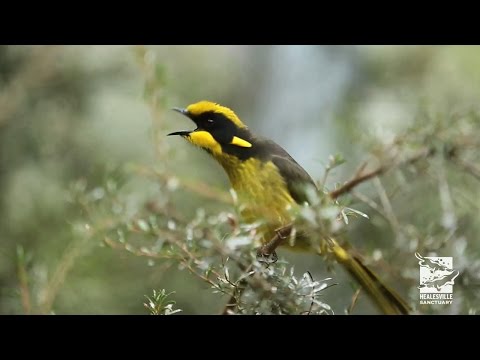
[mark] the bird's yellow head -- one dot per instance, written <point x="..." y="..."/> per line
<point x="219" y="130"/>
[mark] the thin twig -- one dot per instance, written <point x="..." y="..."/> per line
<point x="358" y="178"/>
<point x="387" y="206"/>
<point x="365" y="199"/>
<point x="354" y="300"/>
<point x="232" y="303"/>
<point x="138" y="252"/>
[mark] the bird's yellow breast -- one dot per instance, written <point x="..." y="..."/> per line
<point x="262" y="193"/>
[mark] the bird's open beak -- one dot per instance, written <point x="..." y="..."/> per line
<point x="181" y="133"/>
<point x="181" y="111"/>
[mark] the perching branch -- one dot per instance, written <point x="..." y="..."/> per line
<point x="280" y="236"/>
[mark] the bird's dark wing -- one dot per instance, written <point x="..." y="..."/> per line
<point x="296" y="178"/>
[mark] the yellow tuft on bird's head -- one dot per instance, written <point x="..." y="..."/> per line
<point x="205" y="106"/>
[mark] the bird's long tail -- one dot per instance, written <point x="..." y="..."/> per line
<point x="384" y="297"/>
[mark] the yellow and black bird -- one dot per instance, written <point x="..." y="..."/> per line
<point x="268" y="183"/>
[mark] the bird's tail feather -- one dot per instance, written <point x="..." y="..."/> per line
<point x="384" y="297"/>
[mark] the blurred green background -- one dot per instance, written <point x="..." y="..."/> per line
<point x="71" y="117"/>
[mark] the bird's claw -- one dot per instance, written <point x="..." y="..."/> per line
<point x="267" y="259"/>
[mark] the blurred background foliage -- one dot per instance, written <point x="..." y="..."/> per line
<point x="83" y="155"/>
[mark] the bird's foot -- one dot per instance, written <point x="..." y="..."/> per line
<point x="265" y="258"/>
